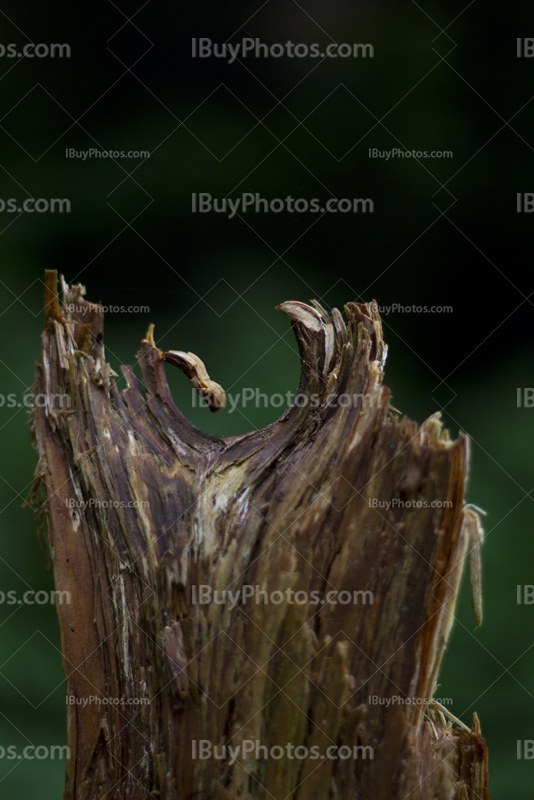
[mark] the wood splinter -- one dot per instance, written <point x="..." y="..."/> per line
<point x="195" y="370"/>
<point x="192" y="366"/>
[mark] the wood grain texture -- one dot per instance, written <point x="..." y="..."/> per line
<point x="143" y="508"/>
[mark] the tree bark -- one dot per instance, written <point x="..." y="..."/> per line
<point x="144" y="509"/>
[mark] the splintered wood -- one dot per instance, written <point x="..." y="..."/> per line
<point x="264" y="615"/>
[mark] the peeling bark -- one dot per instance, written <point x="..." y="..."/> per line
<point x="143" y="507"/>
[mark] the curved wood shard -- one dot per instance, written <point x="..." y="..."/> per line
<point x="194" y="368"/>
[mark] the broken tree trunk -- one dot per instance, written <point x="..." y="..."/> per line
<point x="319" y="667"/>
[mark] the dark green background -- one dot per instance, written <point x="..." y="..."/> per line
<point x="212" y="283"/>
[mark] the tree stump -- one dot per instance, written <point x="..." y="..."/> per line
<point x="254" y="614"/>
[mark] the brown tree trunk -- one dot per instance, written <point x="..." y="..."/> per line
<point x="144" y="509"/>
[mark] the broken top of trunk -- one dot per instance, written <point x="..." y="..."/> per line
<point x="338" y="601"/>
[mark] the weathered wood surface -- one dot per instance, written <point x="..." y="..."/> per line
<point x="283" y="508"/>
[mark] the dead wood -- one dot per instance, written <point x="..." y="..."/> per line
<point x="144" y="509"/>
